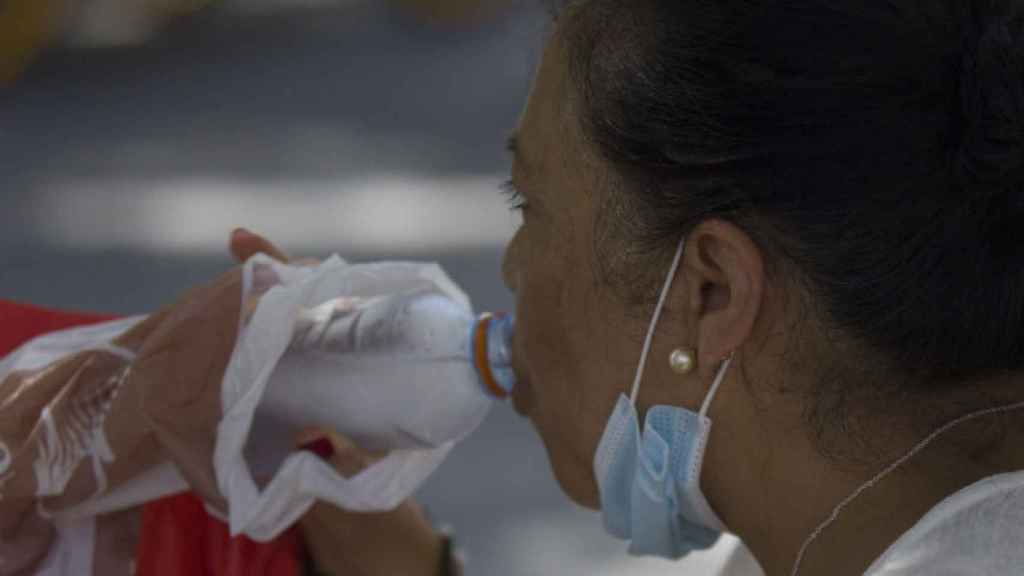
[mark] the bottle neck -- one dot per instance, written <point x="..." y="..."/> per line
<point x="490" y="343"/>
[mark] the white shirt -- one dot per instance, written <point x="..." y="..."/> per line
<point x="978" y="531"/>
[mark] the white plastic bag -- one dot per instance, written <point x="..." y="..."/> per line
<point x="262" y="513"/>
<point x="258" y="510"/>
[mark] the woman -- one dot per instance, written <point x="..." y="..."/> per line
<point x="801" y="218"/>
<point x="849" y="181"/>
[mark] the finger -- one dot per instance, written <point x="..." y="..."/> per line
<point x="347" y="458"/>
<point x="245" y="244"/>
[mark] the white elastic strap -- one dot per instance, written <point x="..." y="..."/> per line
<point x="719" y="377"/>
<point x="878" y="477"/>
<point x="654" y="321"/>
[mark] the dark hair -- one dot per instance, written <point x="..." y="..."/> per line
<point x="876" y="148"/>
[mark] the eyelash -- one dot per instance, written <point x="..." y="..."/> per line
<point x="516" y="201"/>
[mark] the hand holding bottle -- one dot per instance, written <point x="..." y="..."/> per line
<point x="400" y="542"/>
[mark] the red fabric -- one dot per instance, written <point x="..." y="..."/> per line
<point x="20" y="323"/>
<point x="178" y="537"/>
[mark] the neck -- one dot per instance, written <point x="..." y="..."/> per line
<point x="794" y="490"/>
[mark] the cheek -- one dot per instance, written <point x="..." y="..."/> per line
<point x="543" y="319"/>
<point x="571" y="390"/>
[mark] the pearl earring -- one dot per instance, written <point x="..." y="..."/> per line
<point x="682" y="360"/>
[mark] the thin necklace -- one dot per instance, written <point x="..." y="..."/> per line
<point x="870" y="483"/>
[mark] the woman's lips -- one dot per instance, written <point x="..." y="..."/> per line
<point x="522" y="397"/>
<point x="522" y="393"/>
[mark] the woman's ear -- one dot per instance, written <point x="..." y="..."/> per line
<point x="724" y="272"/>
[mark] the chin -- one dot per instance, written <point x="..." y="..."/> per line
<point x="574" y="475"/>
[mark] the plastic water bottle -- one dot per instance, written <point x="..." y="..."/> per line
<point x="397" y="372"/>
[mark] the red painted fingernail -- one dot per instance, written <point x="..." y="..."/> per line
<point x="322" y="447"/>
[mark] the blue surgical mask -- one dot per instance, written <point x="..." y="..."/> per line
<point x="650" y="483"/>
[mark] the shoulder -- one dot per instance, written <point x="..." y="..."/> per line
<point x="976" y="531"/>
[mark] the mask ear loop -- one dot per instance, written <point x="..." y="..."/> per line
<point x="714" y="386"/>
<point x="654" y="321"/>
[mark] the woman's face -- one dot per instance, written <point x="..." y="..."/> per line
<point x="575" y="350"/>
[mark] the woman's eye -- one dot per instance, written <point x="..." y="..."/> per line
<point x="516" y="201"/>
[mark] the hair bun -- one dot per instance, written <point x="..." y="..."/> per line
<point x="990" y="161"/>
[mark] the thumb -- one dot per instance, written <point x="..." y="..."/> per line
<point x="245" y="244"/>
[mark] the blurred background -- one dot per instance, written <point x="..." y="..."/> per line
<point x="135" y="134"/>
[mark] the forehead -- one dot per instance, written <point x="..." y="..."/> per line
<point x="548" y="133"/>
<point x="555" y="166"/>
